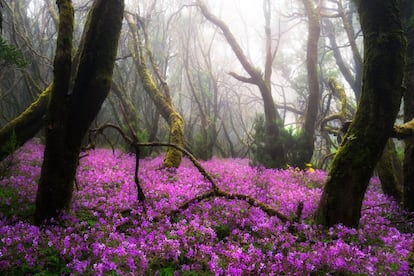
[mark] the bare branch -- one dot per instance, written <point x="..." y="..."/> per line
<point x="216" y="191"/>
<point x="241" y="78"/>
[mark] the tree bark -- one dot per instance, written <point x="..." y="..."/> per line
<point x="407" y="8"/>
<point x="384" y="59"/>
<point x="26" y="125"/>
<point x="306" y="143"/>
<point x="162" y="102"/>
<point x="70" y="115"/>
<point x="390" y="171"/>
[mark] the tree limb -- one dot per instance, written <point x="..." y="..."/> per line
<point x="216" y="191"/>
<point x="241" y="78"/>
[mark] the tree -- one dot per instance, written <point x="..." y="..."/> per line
<point x="161" y="100"/>
<point x="384" y="58"/>
<point x="307" y="137"/>
<point x="389" y="167"/>
<point x="25" y="85"/>
<point x="26" y="125"/>
<point x="274" y="146"/>
<point x="407" y="8"/>
<point x="70" y="113"/>
<point x="203" y="84"/>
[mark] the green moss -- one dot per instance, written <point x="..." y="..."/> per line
<point x="174" y="119"/>
<point x="27" y="124"/>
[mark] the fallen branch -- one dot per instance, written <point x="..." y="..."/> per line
<point x="220" y="193"/>
<point x="215" y="192"/>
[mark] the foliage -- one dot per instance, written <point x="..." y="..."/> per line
<point x="200" y="147"/>
<point x="408" y="23"/>
<point x="10" y="55"/>
<point x="8" y="148"/>
<point x="290" y="138"/>
<point x="143" y="137"/>
<point x="109" y="233"/>
<point x="261" y="145"/>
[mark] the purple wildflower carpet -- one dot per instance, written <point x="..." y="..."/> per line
<point x="107" y="232"/>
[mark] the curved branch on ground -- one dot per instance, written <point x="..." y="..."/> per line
<point x="216" y="191"/>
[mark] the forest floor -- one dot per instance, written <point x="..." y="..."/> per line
<point x="107" y="232"/>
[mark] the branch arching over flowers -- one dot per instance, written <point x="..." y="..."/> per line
<point x="215" y="192"/>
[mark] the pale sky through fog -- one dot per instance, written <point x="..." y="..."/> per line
<point x="246" y="21"/>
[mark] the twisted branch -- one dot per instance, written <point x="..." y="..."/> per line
<point x="215" y="192"/>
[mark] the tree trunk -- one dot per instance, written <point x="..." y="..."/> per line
<point x="384" y="51"/>
<point x="390" y="171"/>
<point x="274" y="147"/>
<point x="407" y="8"/>
<point x="306" y="143"/>
<point x="26" y="125"/>
<point x="70" y="116"/>
<point x="162" y="102"/>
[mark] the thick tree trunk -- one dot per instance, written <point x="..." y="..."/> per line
<point x="52" y="188"/>
<point x="26" y="125"/>
<point x="390" y="172"/>
<point x="384" y="51"/>
<point x="407" y="8"/>
<point x="389" y="169"/>
<point x="70" y="116"/>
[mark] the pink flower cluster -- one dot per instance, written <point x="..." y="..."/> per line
<point x="108" y="231"/>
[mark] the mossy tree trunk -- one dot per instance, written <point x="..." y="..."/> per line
<point x="384" y="58"/>
<point x="407" y="8"/>
<point x="161" y="100"/>
<point x="69" y="116"/>
<point x="390" y="169"/>
<point x="26" y="125"/>
<point x="389" y="175"/>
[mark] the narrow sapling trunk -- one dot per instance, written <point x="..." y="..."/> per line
<point x="305" y="146"/>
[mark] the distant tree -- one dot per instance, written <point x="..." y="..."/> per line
<point x="274" y="148"/>
<point x="70" y="113"/>
<point x="203" y="85"/>
<point x="352" y="168"/>
<point x="306" y="141"/>
<point x="160" y="95"/>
